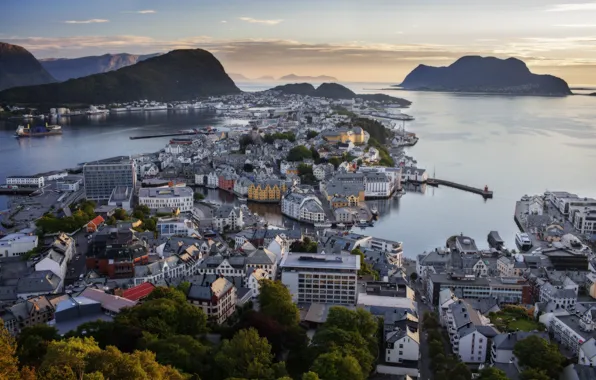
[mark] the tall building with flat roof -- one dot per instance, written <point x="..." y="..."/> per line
<point x="103" y="176"/>
<point x="317" y="278"/>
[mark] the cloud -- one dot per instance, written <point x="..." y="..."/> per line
<point x="223" y="21"/>
<point x="143" y="12"/>
<point x="572" y="7"/>
<point x="576" y="25"/>
<point x="257" y="21"/>
<point x="92" y="21"/>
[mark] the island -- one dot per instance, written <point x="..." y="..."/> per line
<point x="484" y="75"/>
<point x="336" y="91"/>
<point x="320" y="78"/>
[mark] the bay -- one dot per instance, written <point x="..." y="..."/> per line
<point x="514" y="144"/>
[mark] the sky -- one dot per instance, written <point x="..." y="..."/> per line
<point x="352" y="40"/>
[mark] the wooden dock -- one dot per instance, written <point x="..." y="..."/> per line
<point x="485" y="193"/>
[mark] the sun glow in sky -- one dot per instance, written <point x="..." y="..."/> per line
<point x="353" y="40"/>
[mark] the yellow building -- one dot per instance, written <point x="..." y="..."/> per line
<point x="266" y="191"/>
<point x="356" y="135"/>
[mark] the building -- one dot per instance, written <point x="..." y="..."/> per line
<point x="228" y="216"/>
<point x="115" y="252"/>
<point x="69" y="184"/>
<point x="562" y="296"/>
<point x="507" y="290"/>
<point x="30" y="312"/>
<point x="226" y="182"/>
<point x="102" y="177"/>
<point x="181" y="198"/>
<point x="39" y="283"/>
<point x="503" y="344"/>
<point x="26" y="181"/>
<point x="321" y="278"/>
<point x="303" y="206"/>
<point x="402" y="345"/>
<point x="121" y="197"/>
<point x="110" y="304"/>
<point x="95" y="223"/>
<point x="138" y="292"/>
<point x="266" y="191"/>
<point x="241" y="186"/>
<point x="355" y="135"/>
<point x="17" y="244"/>
<point x="218" y="300"/>
<point x="176" y="226"/>
<point x="72" y="312"/>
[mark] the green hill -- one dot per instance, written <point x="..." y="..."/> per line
<point x="177" y="75"/>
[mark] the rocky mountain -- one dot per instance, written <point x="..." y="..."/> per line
<point x="64" y="68"/>
<point x="266" y="78"/>
<point x="177" y="75"/>
<point x="484" y="74"/>
<point x="18" y="67"/>
<point x="335" y="91"/>
<point x="297" y="78"/>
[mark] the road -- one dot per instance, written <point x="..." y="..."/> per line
<point x="424" y="362"/>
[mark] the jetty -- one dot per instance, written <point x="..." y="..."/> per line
<point x="485" y="193"/>
<point x="165" y="135"/>
<point x="17" y="190"/>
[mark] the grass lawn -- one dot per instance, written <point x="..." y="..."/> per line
<point x="523" y="325"/>
<point x="513" y="320"/>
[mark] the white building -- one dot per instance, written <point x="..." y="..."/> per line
<point x="469" y="332"/>
<point x="562" y="296"/>
<point x="174" y="149"/>
<point x="252" y="281"/>
<point x="503" y="345"/>
<point x="303" y="207"/>
<point x="177" y="226"/>
<point x="318" y="278"/>
<point x="241" y="186"/>
<point x="31" y="181"/>
<point x="413" y="174"/>
<point x="402" y="345"/>
<point x="228" y="216"/>
<point x="212" y="180"/>
<point x="180" y="265"/>
<point x="17" y="244"/>
<point x="576" y="333"/>
<point x="69" y="184"/>
<point x="173" y="198"/>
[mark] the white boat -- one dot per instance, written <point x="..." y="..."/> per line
<point x="242" y="199"/>
<point x="27" y="116"/>
<point x="341" y="225"/>
<point x="96" y="111"/>
<point x="134" y="109"/>
<point x="323" y="225"/>
<point x="374" y="210"/>
<point x="156" y="107"/>
<point x="119" y="109"/>
<point x="523" y="241"/>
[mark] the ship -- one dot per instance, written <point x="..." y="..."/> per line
<point x="39" y="131"/>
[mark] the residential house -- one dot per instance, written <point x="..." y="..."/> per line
<point x="218" y="299"/>
<point x="267" y="191"/>
<point x="30" y="312"/>
<point x="17" y="244"/>
<point x="228" y="216"/>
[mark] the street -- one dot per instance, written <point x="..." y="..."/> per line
<point x="424" y="362"/>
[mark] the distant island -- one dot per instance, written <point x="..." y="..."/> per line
<point x="18" y="67"/>
<point x="179" y="74"/>
<point x="335" y="91"/>
<point x="238" y="77"/>
<point x="296" y="78"/>
<point x="484" y="75"/>
<point x="68" y="68"/>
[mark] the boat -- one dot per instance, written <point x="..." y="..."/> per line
<point x="341" y="225"/>
<point x="118" y="109"/>
<point x="495" y="241"/>
<point x="374" y="210"/>
<point x="27" y="116"/>
<point x="155" y="107"/>
<point x="523" y="242"/>
<point x="323" y="225"/>
<point x="242" y="199"/>
<point x="96" y="111"/>
<point x="39" y="131"/>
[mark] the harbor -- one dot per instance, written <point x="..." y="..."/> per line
<point x="485" y="192"/>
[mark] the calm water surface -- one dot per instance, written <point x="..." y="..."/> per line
<point x="515" y="145"/>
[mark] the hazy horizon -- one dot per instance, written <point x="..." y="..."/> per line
<point x="352" y="40"/>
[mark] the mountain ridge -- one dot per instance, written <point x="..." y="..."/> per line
<point x="307" y="78"/>
<point x="18" y="67"/>
<point x="70" y="68"/>
<point x="486" y="75"/>
<point x="177" y="75"/>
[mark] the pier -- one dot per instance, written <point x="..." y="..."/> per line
<point x="18" y="191"/>
<point x="485" y="193"/>
<point x="167" y="135"/>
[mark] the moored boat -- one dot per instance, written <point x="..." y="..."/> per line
<point x="39" y="131"/>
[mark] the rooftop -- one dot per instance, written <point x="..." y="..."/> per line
<point x="307" y="260"/>
<point x="165" y="192"/>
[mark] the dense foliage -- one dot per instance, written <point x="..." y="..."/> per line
<point x="539" y="354"/>
<point x="271" y="137"/>
<point x="299" y="153"/>
<point x="304" y="246"/>
<point x="366" y="269"/>
<point x="81" y="215"/>
<point x="385" y="157"/>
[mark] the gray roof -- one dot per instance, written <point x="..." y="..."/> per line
<point x="510" y="370"/>
<point x="225" y="210"/>
<point x="309" y="260"/>
<point x="39" y="282"/>
<point x="261" y="256"/>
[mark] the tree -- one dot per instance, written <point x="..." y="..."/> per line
<point x="538" y="353"/>
<point x="310" y="134"/>
<point x="492" y="373"/>
<point x="9" y="364"/>
<point x="182" y="352"/>
<point x="305" y="246"/>
<point x="198" y="196"/>
<point x="246" y="354"/>
<point x="126" y="338"/>
<point x="350" y="343"/>
<point x="414" y="276"/>
<point x="167" y="292"/>
<point x="183" y="287"/>
<point x="165" y="317"/>
<point x="33" y="342"/>
<point x="359" y="320"/>
<point x="310" y="376"/>
<point x="435" y="348"/>
<point x="248" y="168"/>
<point x="299" y="153"/>
<point x="335" y="366"/>
<point x="67" y="357"/>
<point x="534" y="374"/>
<point x="460" y="372"/>
<point x="276" y="302"/>
<point x="120" y="214"/>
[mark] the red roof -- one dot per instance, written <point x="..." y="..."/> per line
<point x="139" y="291"/>
<point x="97" y="220"/>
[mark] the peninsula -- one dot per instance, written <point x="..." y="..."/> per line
<point x="484" y="75"/>
<point x="179" y="74"/>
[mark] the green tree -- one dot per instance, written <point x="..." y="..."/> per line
<point x="435" y="348"/>
<point x="359" y="320"/>
<point x="33" y="342"/>
<point x="183" y="287"/>
<point x="414" y="276"/>
<point x="105" y="333"/>
<point x="276" y="302"/>
<point x="534" y="374"/>
<point x="492" y="373"/>
<point x="198" y="196"/>
<point x="64" y="356"/>
<point x="165" y="317"/>
<point x="460" y="372"/>
<point x="310" y="376"/>
<point x="335" y="366"/>
<point x="538" y="353"/>
<point x="120" y="214"/>
<point x="299" y="153"/>
<point x="168" y="293"/>
<point x="350" y="343"/>
<point x="182" y="352"/>
<point x="9" y="364"/>
<point x="310" y="134"/>
<point x="246" y="354"/>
